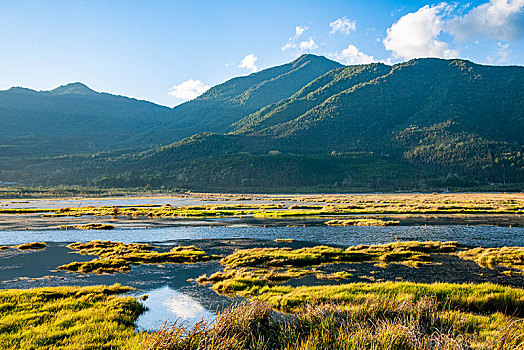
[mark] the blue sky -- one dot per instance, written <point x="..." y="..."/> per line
<point x="170" y="51"/>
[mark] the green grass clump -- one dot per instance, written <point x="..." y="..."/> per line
<point x="67" y="318"/>
<point x="231" y="281"/>
<point x="362" y="222"/>
<point x="512" y="257"/>
<point x="398" y="252"/>
<point x="247" y="272"/>
<point x="162" y="211"/>
<point x="480" y="298"/>
<point x="31" y="246"/>
<point x="88" y="227"/>
<point x="118" y="257"/>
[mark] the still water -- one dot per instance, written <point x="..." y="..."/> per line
<point x="171" y="297"/>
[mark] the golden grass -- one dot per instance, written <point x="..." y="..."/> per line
<point x="512" y="257"/>
<point x="92" y="226"/>
<point x="395" y="325"/>
<point x="118" y="257"/>
<point x="31" y="246"/>
<point x="362" y="222"/>
<point x="67" y="318"/>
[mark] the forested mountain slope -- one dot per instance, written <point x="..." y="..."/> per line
<point x="70" y="119"/>
<point x="313" y="124"/>
<point x="449" y="117"/>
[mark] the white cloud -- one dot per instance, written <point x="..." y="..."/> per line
<point x="416" y="34"/>
<point x="188" y="89"/>
<point x="496" y="19"/>
<point x="352" y="55"/>
<point x="249" y="63"/>
<point x="502" y="53"/>
<point x="299" y="30"/>
<point x="289" y="45"/>
<point x="292" y="41"/>
<point x="308" y="45"/>
<point x="343" y="25"/>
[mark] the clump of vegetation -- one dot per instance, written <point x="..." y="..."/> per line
<point x="201" y="211"/>
<point x="88" y="227"/>
<point x="67" y="317"/>
<point x="406" y="325"/>
<point x="512" y="257"/>
<point x="118" y="257"/>
<point x="362" y="222"/>
<point x="391" y="252"/>
<point x="480" y="298"/>
<point x="235" y="280"/>
<point x="31" y="246"/>
<point x="24" y="210"/>
<point x="249" y="271"/>
<point x="284" y="240"/>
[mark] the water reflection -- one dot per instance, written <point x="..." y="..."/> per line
<point x="166" y="304"/>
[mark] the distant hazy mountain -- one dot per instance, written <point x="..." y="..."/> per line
<point x="69" y="119"/>
<point x="73" y="118"/>
<point x="312" y="124"/>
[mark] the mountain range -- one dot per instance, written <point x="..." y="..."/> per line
<point x="311" y="124"/>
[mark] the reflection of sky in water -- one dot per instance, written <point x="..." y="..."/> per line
<point x="166" y="304"/>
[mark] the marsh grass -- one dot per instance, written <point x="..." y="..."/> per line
<point x="247" y="272"/>
<point x="422" y="324"/>
<point x="391" y="252"/>
<point x="67" y="318"/>
<point x="312" y="206"/>
<point x="362" y="222"/>
<point x="93" y="226"/>
<point x="118" y="257"/>
<point x="31" y="246"/>
<point x="163" y="211"/>
<point x="512" y="257"/>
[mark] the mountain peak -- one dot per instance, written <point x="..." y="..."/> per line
<point x="309" y="57"/>
<point x="73" y="88"/>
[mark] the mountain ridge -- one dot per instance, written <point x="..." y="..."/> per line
<point x="419" y="124"/>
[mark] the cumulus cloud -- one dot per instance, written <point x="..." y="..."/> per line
<point x="417" y="34"/>
<point x="299" y="30"/>
<point x="496" y="19"/>
<point x="343" y="25"/>
<point x="249" y="63"/>
<point x="308" y="45"/>
<point x="352" y="55"/>
<point x="188" y="89"/>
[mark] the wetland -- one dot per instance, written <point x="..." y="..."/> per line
<point x="172" y="265"/>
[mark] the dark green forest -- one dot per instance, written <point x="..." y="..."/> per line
<point x="309" y="125"/>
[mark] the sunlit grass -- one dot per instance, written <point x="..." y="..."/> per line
<point x="67" y="318"/>
<point x="380" y="324"/>
<point x="118" y="257"/>
<point x="362" y="222"/>
<point x="512" y="257"/>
